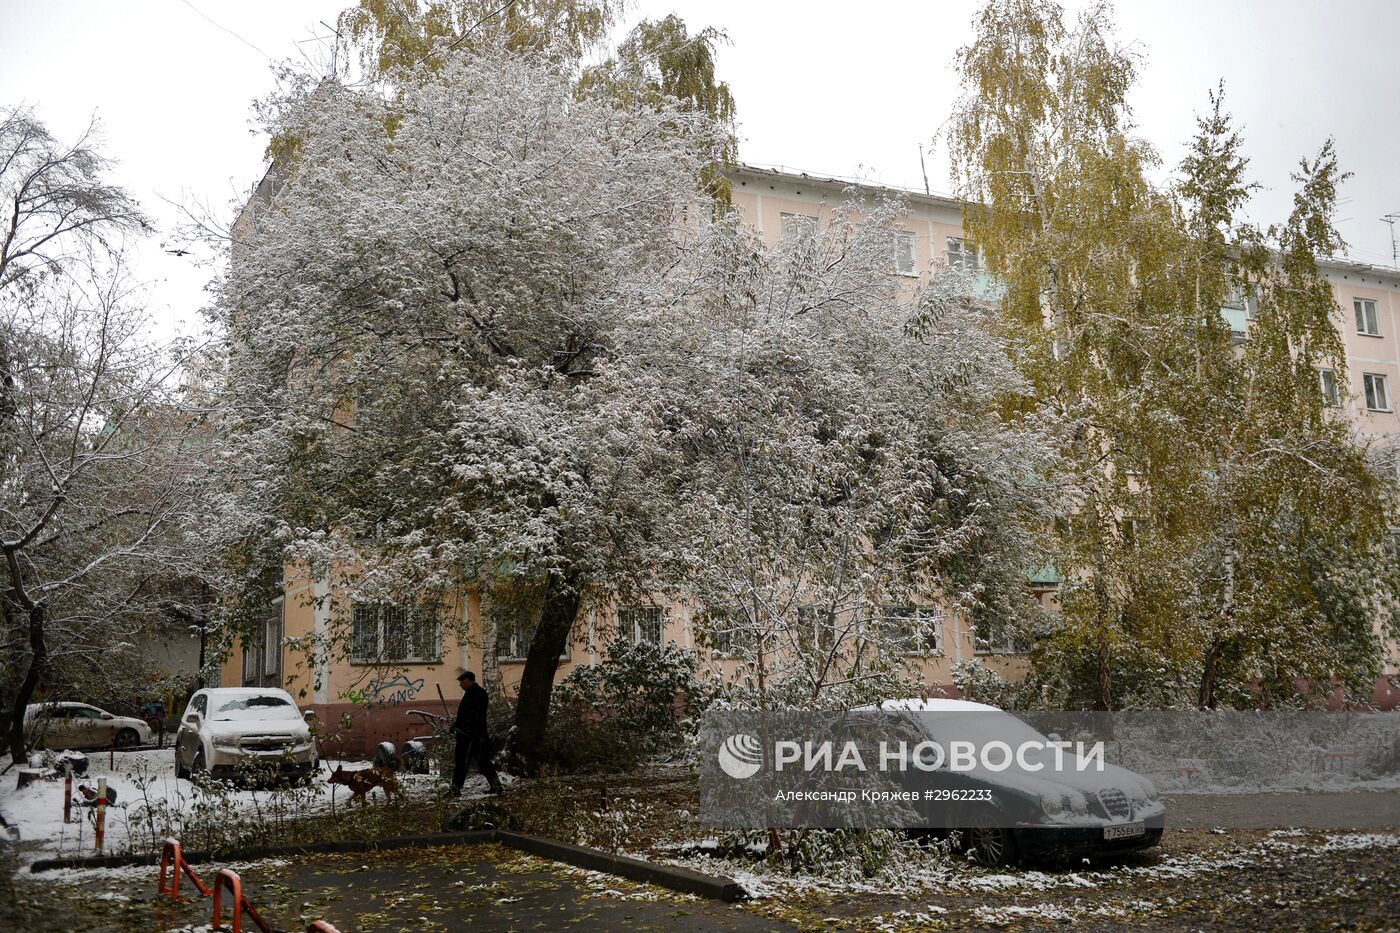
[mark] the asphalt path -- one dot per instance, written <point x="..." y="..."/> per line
<point x="481" y="888"/>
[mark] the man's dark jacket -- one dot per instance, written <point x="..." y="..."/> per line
<point x="471" y="713"/>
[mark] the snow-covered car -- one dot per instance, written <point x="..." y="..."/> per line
<point x="1016" y="814"/>
<point x="232" y="732"/>
<point x="78" y="725"/>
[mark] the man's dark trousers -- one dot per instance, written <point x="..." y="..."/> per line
<point x="473" y="750"/>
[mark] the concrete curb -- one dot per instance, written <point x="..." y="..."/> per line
<point x="277" y="851"/>
<point x="665" y="876"/>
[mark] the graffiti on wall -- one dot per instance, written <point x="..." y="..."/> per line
<point x="394" y="691"/>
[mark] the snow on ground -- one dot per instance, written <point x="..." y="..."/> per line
<point x="922" y="873"/>
<point x="150" y="799"/>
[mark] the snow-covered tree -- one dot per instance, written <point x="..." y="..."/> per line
<point x="848" y="477"/>
<point x="423" y="371"/>
<point x="97" y="468"/>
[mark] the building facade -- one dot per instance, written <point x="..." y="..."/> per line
<point x="396" y="663"/>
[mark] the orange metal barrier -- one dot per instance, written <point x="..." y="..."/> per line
<point x="170" y="856"/>
<point x="172" y="859"/>
<point x="100" y="826"/>
<point x="228" y="878"/>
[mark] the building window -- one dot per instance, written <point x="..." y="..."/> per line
<point x="1241" y="300"/>
<point x="912" y="630"/>
<point x="1133" y="531"/>
<point x="904" y="253"/>
<point x="385" y="633"/>
<point x="728" y="633"/>
<point x="797" y="226"/>
<point x="262" y="652"/>
<point x="963" y="255"/>
<point x="515" y="630"/>
<point x="817" y="627"/>
<point x="997" y="636"/>
<point x="641" y="624"/>
<point x="1331" y="395"/>
<point x="1377" y="392"/>
<point x="1366" y="321"/>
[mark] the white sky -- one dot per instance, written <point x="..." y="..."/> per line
<point x="833" y="88"/>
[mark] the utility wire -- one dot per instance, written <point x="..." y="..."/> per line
<point x="229" y="31"/>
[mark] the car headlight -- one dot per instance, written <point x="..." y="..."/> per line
<point x="1053" y="804"/>
<point x="1077" y="803"/>
<point x="227" y="743"/>
<point x="1150" y="790"/>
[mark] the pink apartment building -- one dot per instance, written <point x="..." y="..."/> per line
<point x="398" y="663"/>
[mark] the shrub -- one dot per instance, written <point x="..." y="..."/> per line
<point x="638" y="702"/>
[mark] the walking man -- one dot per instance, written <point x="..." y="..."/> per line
<point x="472" y="740"/>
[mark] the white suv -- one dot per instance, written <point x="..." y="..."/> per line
<point x="250" y="731"/>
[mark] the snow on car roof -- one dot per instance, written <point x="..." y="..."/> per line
<point x="934" y="705"/>
<point x="246" y="691"/>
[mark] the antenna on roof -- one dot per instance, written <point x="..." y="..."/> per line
<point x="1394" y="251"/>
<point x="923" y="168"/>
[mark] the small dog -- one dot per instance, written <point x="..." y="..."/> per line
<point x="362" y="780"/>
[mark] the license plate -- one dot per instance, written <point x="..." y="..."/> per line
<point x="1124" y="830"/>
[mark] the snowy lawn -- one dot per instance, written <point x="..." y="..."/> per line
<point x="152" y="804"/>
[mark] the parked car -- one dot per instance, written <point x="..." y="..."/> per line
<point x="78" y="725"/>
<point x="231" y="732"/>
<point x="1049" y="814"/>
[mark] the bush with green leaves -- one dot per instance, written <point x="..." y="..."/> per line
<point x="638" y="701"/>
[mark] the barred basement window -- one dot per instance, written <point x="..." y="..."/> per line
<point x="728" y="633"/>
<point x="997" y="637"/>
<point x="515" y="630"/>
<point x="641" y="624"/>
<point x="383" y="632"/>
<point x="913" y="630"/>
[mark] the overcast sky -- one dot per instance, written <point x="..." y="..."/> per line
<point x="843" y="89"/>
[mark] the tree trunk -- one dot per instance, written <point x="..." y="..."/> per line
<point x="561" y="605"/>
<point x="490" y="663"/>
<point x="1209" y="670"/>
<point x="38" y="657"/>
<point x="1206" y="698"/>
<point x="1103" y="694"/>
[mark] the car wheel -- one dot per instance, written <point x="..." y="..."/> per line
<point x="198" y="766"/>
<point x="181" y="772"/>
<point x="988" y="841"/>
<point x="127" y="738"/>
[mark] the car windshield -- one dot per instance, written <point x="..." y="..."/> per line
<point x="981" y="726"/>
<point x="256" y="707"/>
